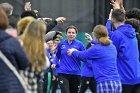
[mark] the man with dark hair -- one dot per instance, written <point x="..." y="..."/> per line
<point x="133" y="13"/>
<point x="29" y="13"/>
<point x="118" y="15"/>
<point x="124" y="38"/>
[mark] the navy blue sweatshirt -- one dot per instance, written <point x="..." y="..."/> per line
<point x="68" y="64"/>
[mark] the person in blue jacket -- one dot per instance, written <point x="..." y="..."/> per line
<point x="50" y="77"/>
<point x="103" y="55"/>
<point x="87" y="77"/>
<point x="55" y="74"/>
<point x="48" y="72"/>
<point x="124" y="39"/>
<point x="69" y="67"/>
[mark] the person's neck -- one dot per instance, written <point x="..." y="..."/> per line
<point x="70" y="41"/>
<point x="118" y="24"/>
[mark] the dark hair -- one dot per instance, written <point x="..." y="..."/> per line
<point x="118" y="15"/>
<point x="72" y="27"/>
<point x="3" y="19"/>
<point x="133" y="13"/>
<point x="135" y="24"/>
<point x="13" y="19"/>
<point x="101" y="34"/>
<point x="29" y="13"/>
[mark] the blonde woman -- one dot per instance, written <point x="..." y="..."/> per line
<point x="33" y="43"/>
<point x="22" y="24"/>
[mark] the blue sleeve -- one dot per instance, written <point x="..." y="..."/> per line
<point x="82" y="47"/>
<point x="90" y="53"/>
<point x="114" y="35"/>
<point x="109" y="27"/>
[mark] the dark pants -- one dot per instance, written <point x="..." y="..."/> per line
<point x="131" y="88"/>
<point x="69" y="83"/>
<point x="54" y="85"/>
<point x="87" y="82"/>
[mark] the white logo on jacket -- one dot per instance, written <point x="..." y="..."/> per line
<point x="63" y="46"/>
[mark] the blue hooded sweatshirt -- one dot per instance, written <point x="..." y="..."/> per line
<point x="124" y="38"/>
<point x="68" y="64"/>
<point x="104" y="61"/>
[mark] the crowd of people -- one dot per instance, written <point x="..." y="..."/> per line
<point x="108" y="64"/>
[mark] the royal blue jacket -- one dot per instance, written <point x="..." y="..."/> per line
<point x="68" y="64"/>
<point x="87" y="70"/>
<point x="124" y="38"/>
<point x="104" y="61"/>
<point x="51" y="57"/>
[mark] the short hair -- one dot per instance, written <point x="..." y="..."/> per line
<point x="8" y="8"/>
<point x="135" y="24"/>
<point x="29" y="13"/>
<point x="118" y="15"/>
<point x="133" y="13"/>
<point x="3" y="19"/>
<point x="72" y="27"/>
<point x="13" y="19"/>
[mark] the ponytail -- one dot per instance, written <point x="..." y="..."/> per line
<point x="105" y="41"/>
<point x="101" y="35"/>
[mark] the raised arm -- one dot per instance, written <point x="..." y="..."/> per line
<point x="53" y="23"/>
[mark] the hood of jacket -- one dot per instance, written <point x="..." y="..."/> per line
<point x="127" y="30"/>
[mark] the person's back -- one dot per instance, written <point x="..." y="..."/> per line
<point x="105" y="60"/>
<point x="12" y="49"/>
<point x="124" y="38"/>
<point x="127" y="46"/>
